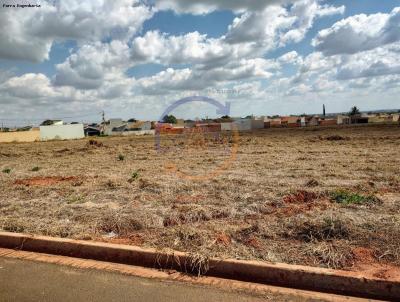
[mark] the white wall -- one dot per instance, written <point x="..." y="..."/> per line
<point x="138" y="132"/>
<point x="257" y="124"/>
<point x="243" y="125"/>
<point x="62" y="132"/>
<point x="226" y="126"/>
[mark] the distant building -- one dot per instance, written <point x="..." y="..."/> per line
<point x="343" y="120"/>
<point x="303" y="121"/>
<point x="313" y="121"/>
<point x="139" y="126"/>
<point x="246" y="124"/>
<point x="328" y="122"/>
<point x="358" y="119"/>
<point x="293" y="122"/>
<point x="114" y="125"/>
<point x="92" y="131"/>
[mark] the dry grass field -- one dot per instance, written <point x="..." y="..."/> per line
<point x="324" y="196"/>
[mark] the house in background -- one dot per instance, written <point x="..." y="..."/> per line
<point x="343" y="120"/>
<point x="358" y="119"/>
<point x="380" y="119"/>
<point x="246" y="124"/>
<point x="293" y="122"/>
<point x="139" y="126"/>
<point x="328" y="122"/>
<point x="92" y="130"/>
<point x="114" y="125"/>
<point x="303" y="121"/>
<point x="313" y="121"/>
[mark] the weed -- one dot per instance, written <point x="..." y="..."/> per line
<point x="121" y="157"/>
<point x="346" y="198"/>
<point x="7" y="171"/>
<point x="13" y="225"/>
<point x="333" y="138"/>
<point x="134" y="176"/>
<point x="95" y="143"/>
<point x="324" y="229"/>
<point x="312" y="183"/>
<point x="75" y="199"/>
<point x="35" y="169"/>
<point x="300" y="197"/>
<point x="198" y="264"/>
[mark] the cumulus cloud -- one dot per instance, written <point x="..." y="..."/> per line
<point x="31" y="32"/>
<point x="359" y="33"/>
<point x="191" y="48"/>
<point x="198" y="7"/>
<point x="374" y="63"/>
<point x="89" y="67"/>
<point x="291" y="57"/>
<point x="278" y="25"/>
<point x="193" y="79"/>
<point x="29" y="85"/>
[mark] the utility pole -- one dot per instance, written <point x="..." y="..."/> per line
<point x="323" y="110"/>
<point x="103" y="123"/>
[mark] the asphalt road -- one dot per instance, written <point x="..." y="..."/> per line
<point x="23" y="280"/>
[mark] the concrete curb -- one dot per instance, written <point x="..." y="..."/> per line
<point x="291" y="276"/>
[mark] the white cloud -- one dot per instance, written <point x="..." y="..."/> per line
<point x="191" y="48"/>
<point x="291" y="57"/>
<point x="29" y="85"/>
<point x="277" y="25"/>
<point x="198" y="7"/>
<point x="31" y="32"/>
<point x="195" y="80"/>
<point x="305" y="12"/>
<point x="374" y="63"/>
<point x="359" y="33"/>
<point x="89" y="67"/>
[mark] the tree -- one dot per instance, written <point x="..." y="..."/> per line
<point x="132" y="120"/>
<point x="170" y="119"/>
<point x="354" y="111"/>
<point x="225" y="117"/>
<point x="47" y="123"/>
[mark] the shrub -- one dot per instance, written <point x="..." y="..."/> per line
<point x="324" y="229"/>
<point x="135" y="176"/>
<point x="121" y="157"/>
<point x="345" y="197"/>
<point x="7" y="171"/>
<point x="95" y="143"/>
<point x="35" y="169"/>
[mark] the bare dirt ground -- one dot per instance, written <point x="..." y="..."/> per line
<point x="320" y="196"/>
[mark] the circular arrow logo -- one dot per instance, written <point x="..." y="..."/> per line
<point x="198" y="138"/>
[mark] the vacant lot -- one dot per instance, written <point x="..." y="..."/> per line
<point x="326" y="197"/>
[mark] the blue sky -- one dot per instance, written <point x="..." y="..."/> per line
<point x="75" y="58"/>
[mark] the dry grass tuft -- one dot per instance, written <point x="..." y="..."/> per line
<point x="327" y="228"/>
<point x="118" y="223"/>
<point x="300" y="197"/>
<point x="94" y="143"/>
<point x="330" y="254"/>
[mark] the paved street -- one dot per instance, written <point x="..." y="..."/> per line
<point x="22" y="280"/>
